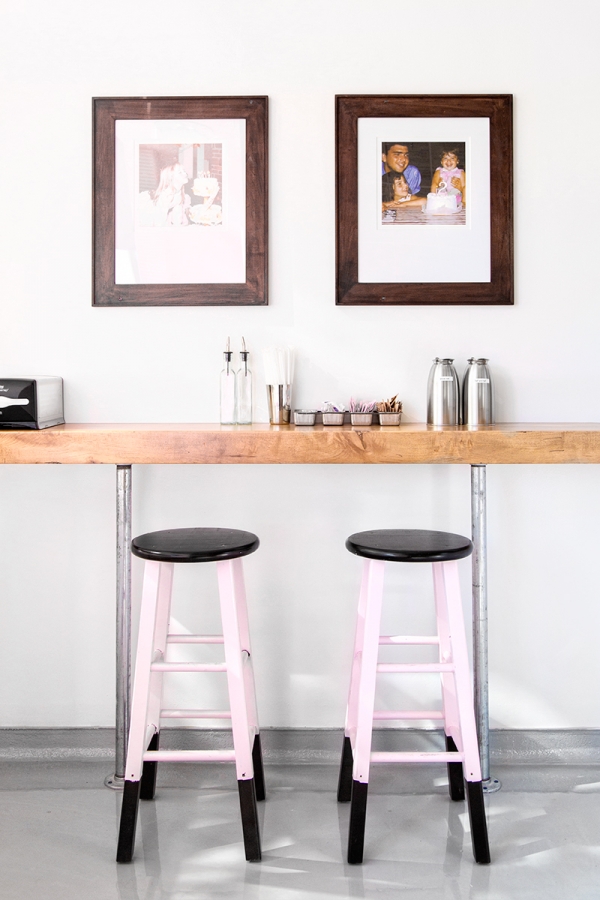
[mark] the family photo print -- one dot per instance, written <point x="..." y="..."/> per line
<point x="423" y="183"/>
<point x="408" y="161"/>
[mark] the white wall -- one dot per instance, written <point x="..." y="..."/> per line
<point x="161" y="365"/>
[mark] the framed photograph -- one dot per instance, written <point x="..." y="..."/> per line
<point x="180" y="201"/>
<point x="424" y="207"/>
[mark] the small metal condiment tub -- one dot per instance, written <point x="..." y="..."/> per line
<point x="389" y="418"/>
<point x="333" y="418"/>
<point x="305" y="416"/>
<point x="361" y="418"/>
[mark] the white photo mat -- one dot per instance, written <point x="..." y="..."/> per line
<point x="195" y="254"/>
<point x="415" y="253"/>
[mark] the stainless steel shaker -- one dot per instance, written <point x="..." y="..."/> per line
<point x="477" y="394"/>
<point x="443" y="394"/>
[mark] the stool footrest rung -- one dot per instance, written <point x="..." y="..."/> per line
<point x="416" y="757"/>
<point x="195" y="714"/>
<point x="189" y="756"/>
<point x="415" y="667"/>
<point x="187" y="667"/>
<point x="194" y="639"/>
<point x="408" y="639"/>
<point x="394" y="714"/>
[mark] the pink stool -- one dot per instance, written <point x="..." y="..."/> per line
<point x="462" y="751"/>
<point x="161" y="550"/>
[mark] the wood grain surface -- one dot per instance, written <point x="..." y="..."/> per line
<point x="265" y="444"/>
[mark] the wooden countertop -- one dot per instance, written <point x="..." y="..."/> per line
<point x="270" y="444"/>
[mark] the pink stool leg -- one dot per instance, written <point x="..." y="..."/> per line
<point x="365" y="707"/>
<point x="347" y="761"/>
<point x="464" y="701"/>
<point x="456" y="782"/>
<point x="240" y="719"/>
<point x="249" y="685"/>
<point x="465" y="732"/>
<point x="161" y="630"/>
<point x="138" y="736"/>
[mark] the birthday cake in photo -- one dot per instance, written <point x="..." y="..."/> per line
<point x="205" y="186"/>
<point x="445" y="202"/>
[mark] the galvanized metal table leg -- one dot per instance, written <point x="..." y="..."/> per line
<point x="480" y="622"/>
<point x="123" y="673"/>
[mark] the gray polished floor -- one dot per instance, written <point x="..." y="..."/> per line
<point x="58" y="837"/>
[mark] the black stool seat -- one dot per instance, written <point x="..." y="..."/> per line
<point x="194" y="545"/>
<point x="409" y="545"/>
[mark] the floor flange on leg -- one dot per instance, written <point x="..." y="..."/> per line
<point x="491" y="785"/>
<point x="114" y="782"/>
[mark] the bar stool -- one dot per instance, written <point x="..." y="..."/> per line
<point x="442" y="550"/>
<point x="161" y="550"/>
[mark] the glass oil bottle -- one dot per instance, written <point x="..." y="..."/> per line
<point x="244" y="389"/>
<point x="228" y="404"/>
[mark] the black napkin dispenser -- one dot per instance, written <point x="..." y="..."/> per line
<point x="31" y="402"/>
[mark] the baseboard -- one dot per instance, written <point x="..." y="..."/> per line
<point x="307" y="746"/>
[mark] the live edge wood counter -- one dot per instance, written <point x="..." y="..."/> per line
<point x="127" y="444"/>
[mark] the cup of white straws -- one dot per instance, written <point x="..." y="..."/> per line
<point x="279" y="375"/>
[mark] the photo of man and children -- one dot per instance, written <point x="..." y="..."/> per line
<point x="423" y="183"/>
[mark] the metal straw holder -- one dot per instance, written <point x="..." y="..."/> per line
<point x="279" y="397"/>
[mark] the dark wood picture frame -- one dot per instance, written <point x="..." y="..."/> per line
<point x="106" y="110"/>
<point x="496" y="107"/>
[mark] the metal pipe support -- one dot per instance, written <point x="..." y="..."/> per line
<point x="123" y="635"/>
<point x="480" y="621"/>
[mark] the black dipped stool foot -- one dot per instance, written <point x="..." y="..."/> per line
<point x="344" y="793"/>
<point x="479" y="833"/>
<point x="149" y="771"/>
<point x="129" y="811"/>
<point x="456" y="779"/>
<point x="259" y="772"/>
<point x="250" y="829"/>
<point x="358" y="816"/>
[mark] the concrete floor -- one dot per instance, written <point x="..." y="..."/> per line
<point x="58" y="827"/>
